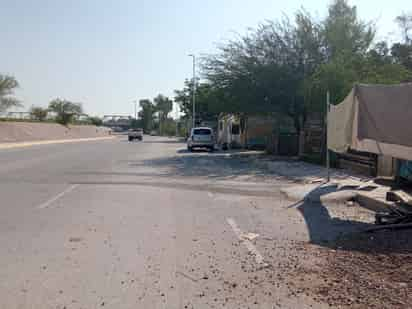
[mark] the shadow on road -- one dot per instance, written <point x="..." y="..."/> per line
<point x="336" y="233"/>
<point x="216" y="165"/>
<point x="234" y="163"/>
<point x="321" y="226"/>
<point x="194" y="150"/>
<point x="165" y="141"/>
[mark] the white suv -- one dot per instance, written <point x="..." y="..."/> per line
<point x="201" y="137"/>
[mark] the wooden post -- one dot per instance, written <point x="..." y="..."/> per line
<point x="326" y="126"/>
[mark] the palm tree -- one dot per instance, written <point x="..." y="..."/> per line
<point x="7" y="86"/>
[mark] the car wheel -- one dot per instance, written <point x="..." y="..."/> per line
<point x="190" y="149"/>
<point x="130" y="138"/>
<point x="211" y="149"/>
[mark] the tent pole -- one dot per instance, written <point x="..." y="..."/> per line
<point x="326" y="126"/>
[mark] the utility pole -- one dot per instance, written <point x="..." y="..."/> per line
<point x="135" y="109"/>
<point x="326" y="128"/>
<point x="177" y="121"/>
<point x="194" y="89"/>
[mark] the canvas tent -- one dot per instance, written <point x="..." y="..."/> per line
<point x="373" y="118"/>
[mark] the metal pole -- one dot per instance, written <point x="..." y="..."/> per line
<point x="326" y="126"/>
<point x="194" y="90"/>
<point x="135" y="109"/>
<point x="176" y="120"/>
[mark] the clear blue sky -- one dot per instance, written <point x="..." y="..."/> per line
<point x="108" y="53"/>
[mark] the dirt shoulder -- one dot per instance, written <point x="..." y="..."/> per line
<point x="358" y="271"/>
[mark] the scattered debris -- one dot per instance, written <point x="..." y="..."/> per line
<point x="358" y="271"/>
<point x="187" y="276"/>
<point x="399" y="196"/>
<point x="349" y="203"/>
<point x="75" y="239"/>
<point x="250" y="236"/>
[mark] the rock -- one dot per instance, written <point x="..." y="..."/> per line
<point x="75" y="239"/>
<point x="349" y="203"/>
<point x="250" y="236"/>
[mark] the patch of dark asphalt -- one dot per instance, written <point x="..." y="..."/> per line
<point x="190" y="187"/>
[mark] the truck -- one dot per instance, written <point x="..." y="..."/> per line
<point x="135" y="134"/>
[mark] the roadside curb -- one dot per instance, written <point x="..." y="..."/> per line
<point x="50" y="142"/>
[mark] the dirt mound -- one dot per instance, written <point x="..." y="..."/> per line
<point x="26" y="131"/>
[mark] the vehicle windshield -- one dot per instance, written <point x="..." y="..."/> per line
<point x="202" y="132"/>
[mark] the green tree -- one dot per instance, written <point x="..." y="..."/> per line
<point x="183" y="97"/>
<point x="402" y="54"/>
<point x="8" y="84"/>
<point x="350" y="58"/>
<point x="264" y="71"/>
<point x="163" y="106"/>
<point x="38" y="113"/>
<point x="402" y="51"/>
<point x="287" y="67"/>
<point x="136" y="123"/>
<point x="169" y="127"/>
<point x="96" y="121"/>
<point x="344" y="32"/>
<point x="207" y="101"/>
<point x="65" y="110"/>
<point x="404" y="22"/>
<point x="146" y="114"/>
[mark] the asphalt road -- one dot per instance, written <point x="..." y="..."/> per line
<point x="112" y="224"/>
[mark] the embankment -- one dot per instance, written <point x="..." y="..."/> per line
<point x="13" y="132"/>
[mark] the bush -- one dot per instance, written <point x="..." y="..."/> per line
<point x="65" y="110"/>
<point x="96" y="121"/>
<point x="38" y="113"/>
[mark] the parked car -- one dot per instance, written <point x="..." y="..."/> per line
<point x="135" y="134"/>
<point x="201" y="137"/>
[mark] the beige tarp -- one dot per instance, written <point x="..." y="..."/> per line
<point x="373" y="118"/>
<point x="340" y="124"/>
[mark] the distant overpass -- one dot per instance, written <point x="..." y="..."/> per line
<point x="117" y="121"/>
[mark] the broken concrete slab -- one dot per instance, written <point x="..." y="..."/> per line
<point x="399" y="196"/>
<point x="326" y="193"/>
<point x="374" y="201"/>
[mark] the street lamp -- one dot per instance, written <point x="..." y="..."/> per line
<point x="135" y="109"/>
<point x="194" y="88"/>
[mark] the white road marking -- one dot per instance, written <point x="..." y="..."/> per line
<point x="251" y="247"/>
<point x="58" y="196"/>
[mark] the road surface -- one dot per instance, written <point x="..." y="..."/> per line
<point x="113" y="224"/>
